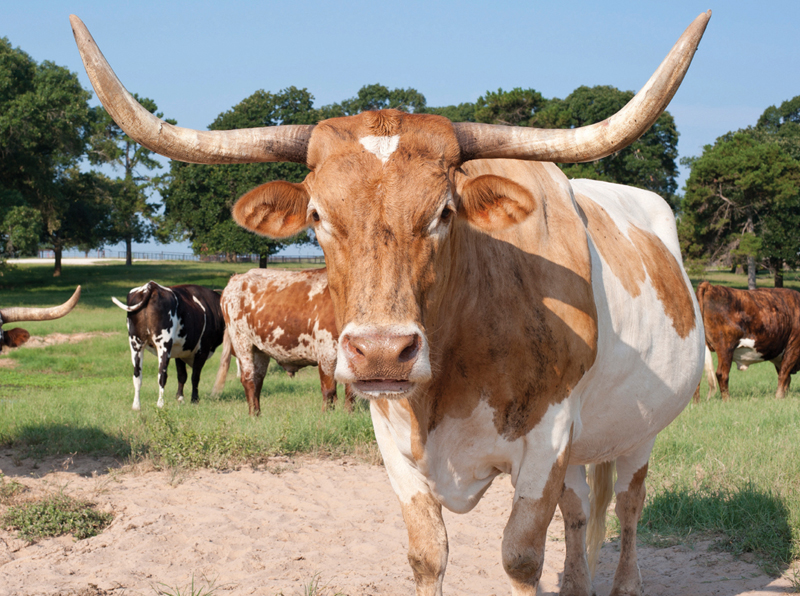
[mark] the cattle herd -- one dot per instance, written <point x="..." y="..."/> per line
<point x="497" y="316"/>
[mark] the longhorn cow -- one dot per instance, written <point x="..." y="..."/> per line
<point x="13" y="338"/>
<point x="499" y="317"/>
<point x="182" y="322"/>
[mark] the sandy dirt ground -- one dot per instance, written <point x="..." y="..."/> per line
<point x="271" y="531"/>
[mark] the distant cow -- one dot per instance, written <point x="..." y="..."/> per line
<point x="750" y="326"/>
<point x="182" y="322"/>
<point x="285" y="315"/>
<point x="13" y="338"/>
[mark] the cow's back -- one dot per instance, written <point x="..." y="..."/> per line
<point x="650" y="340"/>
<point x="285" y="314"/>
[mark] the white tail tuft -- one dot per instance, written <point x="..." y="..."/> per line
<point x="224" y="364"/>
<point x="601" y="489"/>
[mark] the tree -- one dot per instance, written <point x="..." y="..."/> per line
<point x="376" y="97"/>
<point x="742" y="198"/>
<point x="131" y="218"/>
<point x="44" y="117"/>
<point x="198" y="198"/>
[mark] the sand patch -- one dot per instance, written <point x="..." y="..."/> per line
<point x="262" y="533"/>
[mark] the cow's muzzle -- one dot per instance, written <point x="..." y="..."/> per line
<point x="386" y="362"/>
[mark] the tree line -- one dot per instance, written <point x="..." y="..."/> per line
<point x="52" y="197"/>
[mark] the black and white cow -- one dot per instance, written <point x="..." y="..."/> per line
<point x="13" y="338"/>
<point x="182" y="322"/>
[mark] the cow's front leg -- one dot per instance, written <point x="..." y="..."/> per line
<point x="574" y="505"/>
<point x="137" y="351"/>
<point x="328" y="386"/>
<point x="163" y="352"/>
<point x="539" y="487"/>
<point x="422" y="513"/>
<point x="180" y="366"/>
<point x="630" y="493"/>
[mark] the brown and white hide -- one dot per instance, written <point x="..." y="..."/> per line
<point x="284" y="315"/>
<point x="751" y="326"/>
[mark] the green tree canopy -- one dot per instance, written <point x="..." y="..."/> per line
<point x="44" y="120"/>
<point x="198" y="198"/>
<point x="742" y="198"/>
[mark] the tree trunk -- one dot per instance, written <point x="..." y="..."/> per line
<point x="262" y="260"/>
<point x="751" y="272"/>
<point x="128" y="252"/>
<point x="778" y="277"/>
<point x="57" y="251"/>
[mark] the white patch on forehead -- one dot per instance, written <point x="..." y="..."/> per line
<point x="381" y="147"/>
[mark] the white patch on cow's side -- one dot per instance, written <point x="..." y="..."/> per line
<point x="198" y="302"/>
<point x="277" y="333"/>
<point x="473" y="449"/>
<point x="746" y="354"/>
<point x="381" y="147"/>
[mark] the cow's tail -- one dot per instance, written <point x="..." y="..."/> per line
<point x="601" y="489"/>
<point x="136" y="307"/>
<point x="224" y="364"/>
<point x="711" y="376"/>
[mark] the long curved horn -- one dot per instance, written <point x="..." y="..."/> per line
<point x="271" y="143"/>
<point x="22" y="313"/>
<point x="588" y="143"/>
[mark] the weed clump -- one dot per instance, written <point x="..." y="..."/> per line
<point x="56" y="515"/>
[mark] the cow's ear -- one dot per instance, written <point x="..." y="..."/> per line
<point x="493" y="203"/>
<point x="14" y="338"/>
<point x="276" y="209"/>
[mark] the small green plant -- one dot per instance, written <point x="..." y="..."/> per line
<point x="208" y="588"/>
<point x="9" y="489"/>
<point x="56" y="515"/>
<point x="794" y="579"/>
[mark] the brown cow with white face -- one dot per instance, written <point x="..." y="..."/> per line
<point x="499" y="317"/>
<point x="13" y="338"/>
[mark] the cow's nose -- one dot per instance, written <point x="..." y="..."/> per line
<point x="381" y="356"/>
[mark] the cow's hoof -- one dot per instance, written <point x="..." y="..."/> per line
<point x="136" y="407"/>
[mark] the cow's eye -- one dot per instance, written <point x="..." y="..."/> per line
<point x="315" y="216"/>
<point x="447" y="213"/>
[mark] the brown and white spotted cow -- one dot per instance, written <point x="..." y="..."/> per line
<point x="13" y="338"/>
<point x="499" y="317"/>
<point x="750" y="326"/>
<point x="284" y="315"/>
<point x="181" y="322"/>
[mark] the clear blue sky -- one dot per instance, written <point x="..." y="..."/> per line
<point x="197" y="59"/>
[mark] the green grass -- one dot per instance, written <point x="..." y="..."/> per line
<point x="76" y="398"/>
<point x="55" y="515"/>
<point x="730" y="470"/>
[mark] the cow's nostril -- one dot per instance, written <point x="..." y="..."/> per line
<point x="410" y="351"/>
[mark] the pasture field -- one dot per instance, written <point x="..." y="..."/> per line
<point x="726" y="470"/>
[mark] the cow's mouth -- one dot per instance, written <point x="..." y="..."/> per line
<point x="373" y="388"/>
